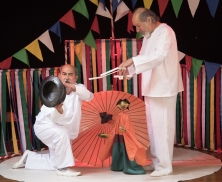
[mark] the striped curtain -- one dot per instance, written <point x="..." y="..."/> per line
<point x="198" y="109"/>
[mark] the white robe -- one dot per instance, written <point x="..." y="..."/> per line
<point x="161" y="81"/>
<point x="57" y="130"/>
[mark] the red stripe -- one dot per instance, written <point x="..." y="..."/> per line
<point x="99" y="63"/>
<point x="118" y="55"/>
<point x="43" y="73"/>
<point x="88" y="67"/>
<point x="184" y="95"/>
<point x="217" y="100"/>
<point x="139" y="45"/>
<point x="199" y="96"/>
<point x="113" y="63"/>
<point x="29" y="102"/>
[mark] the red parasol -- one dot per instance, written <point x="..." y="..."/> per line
<point x="96" y="119"/>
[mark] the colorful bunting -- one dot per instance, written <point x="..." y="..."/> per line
<point x="46" y="40"/>
<point x="162" y="6"/>
<point x="122" y="10"/>
<point x="133" y="3"/>
<point x="95" y="2"/>
<point x="181" y="55"/>
<point x="130" y="24"/>
<point x="193" y="6"/>
<point x="176" y="6"/>
<point x="211" y="69"/>
<point x="56" y="29"/>
<point x="22" y="56"/>
<point x="80" y="7"/>
<point x="89" y="40"/>
<point x="138" y="35"/>
<point x="102" y="4"/>
<point x="212" y="4"/>
<point x="147" y="3"/>
<point x="6" y="63"/>
<point x="95" y="25"/>
<point x="196" y="65"/>
<point x="68" y="19"/>
<point x="35" y="49"/>
<point x="116" y="4"/>
<point x="103" y="11"/>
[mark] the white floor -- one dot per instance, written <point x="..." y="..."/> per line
<point x="187" y="164"/>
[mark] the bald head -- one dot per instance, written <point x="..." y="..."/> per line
<point x="75" y="71"/>
<point x="141" y="14"/>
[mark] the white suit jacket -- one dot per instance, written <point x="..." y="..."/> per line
<point x="158" y="62"/>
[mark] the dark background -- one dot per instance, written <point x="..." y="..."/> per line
<point x="22" y="22"/>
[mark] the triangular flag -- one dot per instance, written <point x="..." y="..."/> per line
<point x="130" y="24"/>
<point x="193" y="6"/>
<point x="162" y="6"/>
<point x="78" y="51"/>
<point x="133" y="3"/>
<point x="68" y="19"/>
<point x="212" y="4"/>
<point x="46" y="40"/>
<point x="103" y="11"/>
<point x="188" y="60"/>
<point x="176" y="6"/>
<point x="116" y="4"/>
<point x="56" y="29"/>
<point x="95" y="2"/>
<point x="103" y="4"/>
<point x="95" y="25"/>
<point x="6" y="63"/>
<point x="138" y="35"/>
<point x="35" y="49"/>
<point x="196" y="65"/>
<point x="89" y="40"/>
<point x="181" y="55"/>
<point x="80" y="7"/>
<point x="147" y="3"/>
<point x="22" y="56"/>
<point x="122" y="10"/>
<point x="211" y="69"/>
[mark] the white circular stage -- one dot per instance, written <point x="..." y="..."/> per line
<point x="187" y="165"/>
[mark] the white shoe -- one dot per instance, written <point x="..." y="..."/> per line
<point x="158" y="173"/>
<point x="20" y="163"/>
<point x="69" y="172"/>
<point x="149" y="167"/>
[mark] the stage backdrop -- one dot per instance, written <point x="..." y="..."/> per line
<point x="198" y="111"/>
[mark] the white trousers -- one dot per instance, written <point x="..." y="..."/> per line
<point x="60" y="151"/>
<point x="161" y="121"/>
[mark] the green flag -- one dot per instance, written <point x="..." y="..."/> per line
<point x="22" y="56"/>
<point x="138" y="36"/>
<point x="196" y="65"/>
<point x="176" y="6"/>
<point x="80" y="7"/>
<point x="89" y="40"/>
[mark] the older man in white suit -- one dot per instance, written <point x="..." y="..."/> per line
<point x="161" y="82"/>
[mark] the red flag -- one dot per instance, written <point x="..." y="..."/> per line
<point x="162" y="6"/>
<point x="6" y="63"/>
<point x="188" y="60"/>
<point x="95" y="25"/>
<point x="68" y="19"/>
<point x="130" y="24"/>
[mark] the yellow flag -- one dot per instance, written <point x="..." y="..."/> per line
<point x="95" y="2"/>
<point x="35" y="49"/>
<point x="78" y="51"/>
<point x="147" y="3"/>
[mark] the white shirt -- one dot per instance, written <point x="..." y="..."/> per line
<point x="158" y="62"/>
<point x="71" y="116"/>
